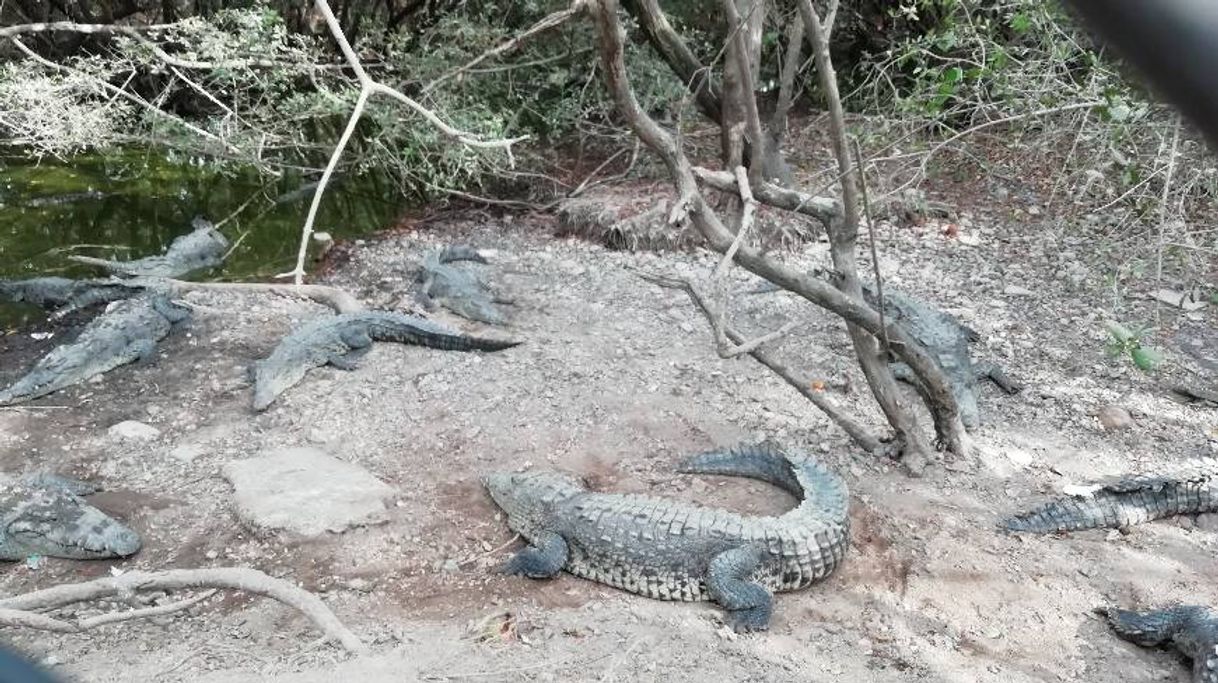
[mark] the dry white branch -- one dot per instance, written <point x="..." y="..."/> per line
<point x="138" y="101"/>
<point x="21" y="610"/>
<point x="369" y="87"/>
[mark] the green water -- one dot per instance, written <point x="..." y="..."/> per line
<point x="133" y="204"/>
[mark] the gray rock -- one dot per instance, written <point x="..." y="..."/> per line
<point x="187" y="452"/>
<point x="131" y="430"/>
<point x="1113" y="418"/>
<point x="1016" y="290"/>
<point x="305" y="491"/>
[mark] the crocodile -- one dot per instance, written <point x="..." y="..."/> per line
<point x="1187" y="488"/>
<point x="341" y="340"/>
<point x="1193" y="629"/>
<point x="945" y="337"/>
<point x="63" y="295"/>
<point x="672" y="550"/>
<point x="203" y="248"/>
<point x="126" y="333"/>
<point x="461" y="291"/>
<point x="44" y="514"/>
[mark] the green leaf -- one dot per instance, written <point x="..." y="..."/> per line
<point x="952" y="75"/>
<point x="1021" y="23"/>
<point x="1118" y="331"/>
<point x="1146" y="358"/>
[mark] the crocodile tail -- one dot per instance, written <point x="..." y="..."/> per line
<point x="460" y="342"/>
<point x="1156" y="626"/>
<point x="822" y="491"/>
<point x="1124" y="502"/>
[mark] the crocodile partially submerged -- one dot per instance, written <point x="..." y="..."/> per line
<point x="201" y="249"/>
<point x="341" y="340"/>
<point x="671" y="550"/>
<point x="126" y="333"/>
<point x="1192" y="629"/>
<point x="461" y="291"/>
<point x="62" y="295"/>
<point x="1187" y="488"/>
<point x="44" y="514"/>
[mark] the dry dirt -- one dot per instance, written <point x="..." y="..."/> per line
<point x="616" y="380"/>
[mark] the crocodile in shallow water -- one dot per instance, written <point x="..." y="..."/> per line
<point x="202" y="248"/>
<point x="1186" y="488"/>
<point x="1193" y="629"/>
<point x="126" y="333"/>
<point x="672" y="550"/>
<point x="44" y="514"/>
<point x="459" y="290"/>
<point x="341" y="340"/>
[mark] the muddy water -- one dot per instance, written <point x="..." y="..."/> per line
<point x="133" y="203"/>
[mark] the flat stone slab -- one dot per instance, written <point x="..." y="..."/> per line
<point x="305" y="491"/>
<point x="132" y="430"/>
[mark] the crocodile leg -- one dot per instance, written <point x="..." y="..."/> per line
<point x="350" y="360"/>
<point x="998" y="376"/>
<point x="541" y="560"/>
<point x="140" y="352"/>
<point x="749" y="605"/>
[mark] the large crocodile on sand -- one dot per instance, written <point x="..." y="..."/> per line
<point x="1192" y="629"/>
<point x="341" y="340"/>
<point x="126" y="333"/>
<point x="671" y="550"/>
<point x="461" y="291"/>
<point x="202" y="248"/>
<point x="1187" y="488"/>
<point x="43" y="514"/>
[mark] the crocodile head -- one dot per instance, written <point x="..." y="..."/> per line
<point x="529" y="497"/>
<point x="58" y="524"/>
<point x="272" y="379"/>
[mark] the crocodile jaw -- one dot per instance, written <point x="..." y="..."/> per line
<point x="272" y="379"/>
<point x="528" y="497"/>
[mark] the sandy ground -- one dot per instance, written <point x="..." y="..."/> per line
<point x="616" y="381"/>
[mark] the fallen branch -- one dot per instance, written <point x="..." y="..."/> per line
<point x="21" y="610"/>
<point x="340" y="300"/>
<point x="860" y="434"/>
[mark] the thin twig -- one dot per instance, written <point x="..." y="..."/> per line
<point x="875" y="259"/>
<point x="1163" y="215"/>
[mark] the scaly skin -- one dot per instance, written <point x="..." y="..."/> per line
<point x="202" y="248"/>
<point x="947" y="339"/>
<point x="125" y="334"/>
<point x="671" y="550"/>
<point x="64" y="294"/>
<point x="342" y="339"/>
<point x="1188" y="488"/>
<point x="1193" y="629"/>
<point x="460" y="291"/>
<point x="44" y="515"/>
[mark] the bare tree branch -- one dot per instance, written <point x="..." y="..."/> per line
<point x="697" y="77"/>
<point x="20" y="610"/>
<point x="369" y="87"/>
<point x="861" y="435"/>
